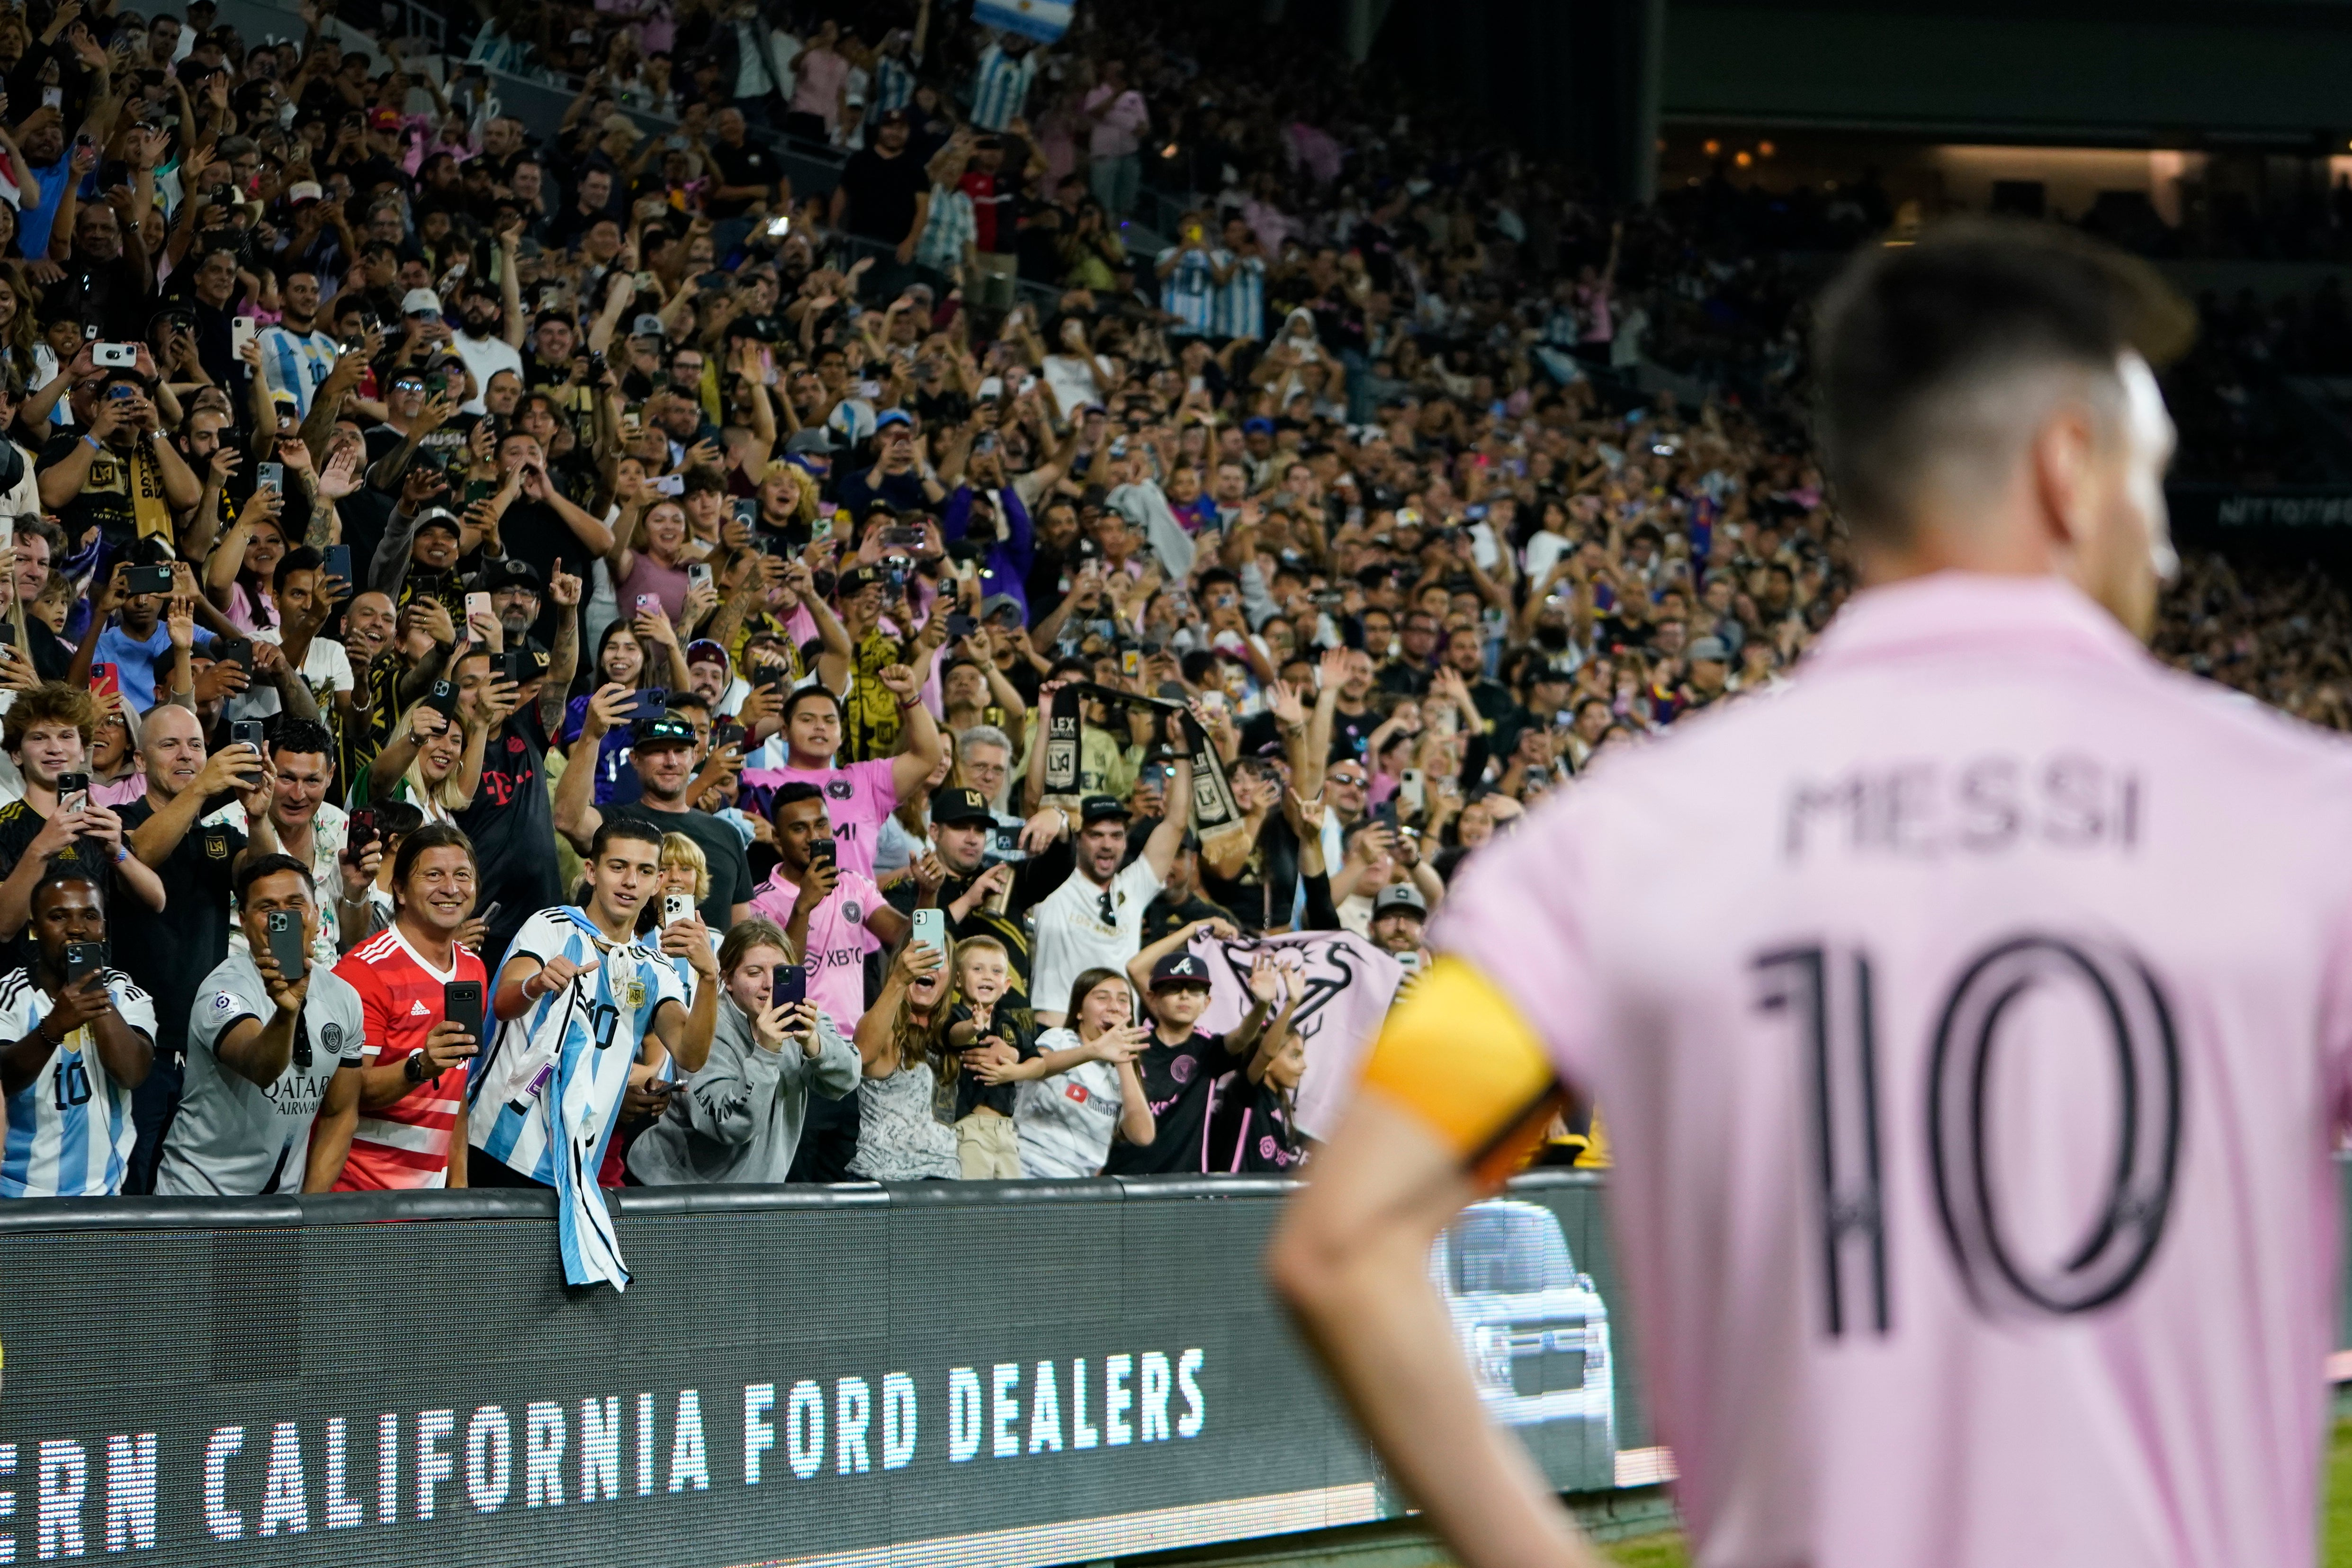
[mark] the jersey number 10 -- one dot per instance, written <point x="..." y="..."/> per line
<point x="1826" y="995"/>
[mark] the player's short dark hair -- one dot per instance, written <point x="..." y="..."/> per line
<point x="623" y="828"/>
<point x="1903" y="327"/>
<point x="302" y="737"/>
<point x="254" y="870"/>
<point x="791" y="794"/>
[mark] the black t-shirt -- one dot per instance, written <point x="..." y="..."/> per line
<point x="1250" y="1129"/>
<point x="171" y="950"/>
<point x="748" y="165"/>
<point x="20" y="826"/>
<point x="722" y="846"/>
<point x="1176" y="1080"/>
<point x="104" y="501"/>
<point x="1032" y="879"/>
<point x="881" y="194"/>
<point x="512" y="825"/>
<point x="1263" y="895"/>
<point x="1160" y="916"/>
<point x="1014" y="1028"/>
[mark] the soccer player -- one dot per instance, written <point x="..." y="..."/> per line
<point x="75" y="1053"/>
<point x="1976" y="1016"/>
<point x="389" y="1123"/>
<point x="261" y="1049"/>
<point x="587" y="1011"/>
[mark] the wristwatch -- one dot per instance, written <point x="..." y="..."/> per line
<point x="418" y="1067"/>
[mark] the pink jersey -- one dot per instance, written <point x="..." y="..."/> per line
<point x="1970" y="1018"/>
<point x="856" y="799"/>
<point x="837" y="940"/>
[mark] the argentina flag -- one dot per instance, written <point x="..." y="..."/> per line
<point x="1043" y="20"/>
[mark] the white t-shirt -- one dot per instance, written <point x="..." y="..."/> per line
<point x="326" y="668"/>
<point x="484" y="357"/>
<point x="1073" y="938"/>
<point x="1065" y="1123"/>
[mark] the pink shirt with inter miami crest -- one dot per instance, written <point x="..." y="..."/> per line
<point x="1971" y="1021"/>
<point x="838" y="940"/>
<point x="856" y="799"/>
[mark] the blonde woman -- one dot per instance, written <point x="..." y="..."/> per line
<point x="435" y="762"/>
<point x="899" y="1136"/>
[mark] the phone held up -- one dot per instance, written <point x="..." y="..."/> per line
<point x="789" y="986"/>
<point x="932" y="930"/>
<point x="461" y="1004"/>
<point x="73" y="792"/>
<point x="284" y="927"/>
<point x="676" y="906"/>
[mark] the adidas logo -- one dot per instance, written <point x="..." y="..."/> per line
<point x="417" y="1010"/>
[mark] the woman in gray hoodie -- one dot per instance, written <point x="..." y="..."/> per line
<point x="739" y="1119"/>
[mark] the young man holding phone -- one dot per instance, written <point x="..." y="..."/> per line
<point x="392" y="1122"/>
<point x="264" y="1042"/>
<point x="82" y="1040"/>
<point x="834" y="915"/>
<point x="47" y="733"/>
<point x="662" y="751"/>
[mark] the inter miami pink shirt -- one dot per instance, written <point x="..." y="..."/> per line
<point x="1971" y="1021"/>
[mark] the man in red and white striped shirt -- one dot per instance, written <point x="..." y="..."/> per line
<point x="395" y="1122"/>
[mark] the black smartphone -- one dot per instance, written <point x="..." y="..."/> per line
<point x="245" y="732"/>
<point x="516" y="665"/>
<point x="237" y="650"/>
<point x="461" y="1003"/>
<point x="83" y="959"/>
<point x="442" y="699"/>
<point x="363" y="832"/>
<point x="823" y="850"/>
<point x="338" y="562"/>
<point x="286" y="944"/>
<point x="147" y="580"/>
<point x="1387" y="815"/>
<point x="960" y="626"/>
<point x="727" y="733"/>
<point x="73" y="791"/>
<point x="790" y="986"/>
<point x="649" y="701"/>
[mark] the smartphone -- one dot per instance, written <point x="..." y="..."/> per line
<point x="115" y="356"/>
<point x="338" y="562"/>
<point x="670" y="485"/>
<point x="73" y="791"/>
<point x="676" y="906"/>
<point x="105" y="680"/>
<point x="286" y="944"/>
<point x="823" y="850"/>
<point x="697" y="574"/>
<point x="727" y="732"/>
<point x="650" y="702"/>
<point x="461" y="1003"/>
<point x="646" y="602"/>
<point x="1411" y="792"/>
<point x="899" y="537"/>
<point x="516" y="665"/>
<point x="53" y="97"/>
<point x="242" y="330"/>
<point x="237" y="650"/>
<point x="477" y="607"/>
<point x="1409" y="961"/>
<point x="83" y="959"/>
<point x="932" y="930"/>
<point x="245" y="732"/>
<point x="960" y="626"/>
<point x="1387" y="816"/>
<point x="269" y="477"/>
<point x="747" y="509"/>
<point x="821" y="528"/>
<point x="1130" y="663"/>
<point x="147" y="580"/>
<point x="361" y="834"/>
<point x="789" y="986"/>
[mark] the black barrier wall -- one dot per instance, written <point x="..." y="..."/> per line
<point x="1007" y="1373"/>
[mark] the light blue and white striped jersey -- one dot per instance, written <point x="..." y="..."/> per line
<point x="1241" y="299"/>
<point x="70" y="1132"/>
<point x="1000" y="89"/>
<point x="591" y="1030"/>
<point x="296" y="362"/>
<point x="1190" y="292"/>
<point x="894" y="85"/>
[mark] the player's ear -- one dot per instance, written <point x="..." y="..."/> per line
<point x="2062" y="459"/>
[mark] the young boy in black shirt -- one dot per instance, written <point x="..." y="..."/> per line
<point x="985" y="1142"/>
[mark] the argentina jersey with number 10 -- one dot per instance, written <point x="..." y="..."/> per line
<point x="595" y="1026"/>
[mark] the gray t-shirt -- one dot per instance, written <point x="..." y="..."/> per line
<point x="233" y="1138"/>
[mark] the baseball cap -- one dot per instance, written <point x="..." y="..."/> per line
<point x="647" y="327"/>
<point x="1101" y="809"/>
<point x="651" y="732"/>
<point x="302" y="191"/>
<point x="1257" y="425"/>
<point x="384" y="120"/>
<point x="1402" y="897"/>
<point x="862" y="577"/>
<point x="815" y="440"/>
<point x="955" y="804"/>
<point x="1177" y="969"/>
<point x="1711" y="649"/>
<point x="703" y="650"/>
<point x="509" y="573"/>
<point x="442" y="519"/>
<point x="996" y="604"/>
<point x="420" y="302"/>
<point x="890" y="416"/>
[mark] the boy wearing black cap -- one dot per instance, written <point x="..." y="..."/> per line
<point x="1180" y="1061"/>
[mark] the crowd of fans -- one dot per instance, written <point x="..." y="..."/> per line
<point x="473" y="603"/>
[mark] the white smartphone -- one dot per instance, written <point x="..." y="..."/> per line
<point x="676" y="906"/>
<point x="1410" y="793"/>
<point x="697" y="574"/>
<point x="241" y="332"/>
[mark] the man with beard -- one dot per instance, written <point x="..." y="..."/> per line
<point x="111" y="469"/>
<point x="492" y="338"/>
<point x="172" y="949"/>
<point x="298" y="353"/>
<point x="962" y="831"/>
<point x="1094" y="919"/>
<point x="663" y="753"/>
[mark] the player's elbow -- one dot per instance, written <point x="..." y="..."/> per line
<point x="1305" y="1266"/>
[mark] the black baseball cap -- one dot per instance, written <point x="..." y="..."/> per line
<point x="1102" y="808"/>
<point x="664" y="732"/>
<point x="956" y="804"/>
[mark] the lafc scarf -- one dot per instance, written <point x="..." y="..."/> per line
<point x="1216" y="818"/>
<point x="150" y="512"/>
